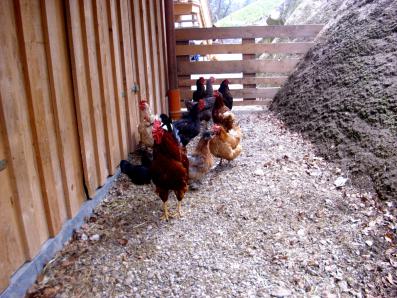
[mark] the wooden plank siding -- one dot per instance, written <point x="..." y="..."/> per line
<point x="63" y="104"/>
<point x="151" y="17"/>
<point x="129" y="70"/>
<point x="95" y="96"/>
<point x="68" y="112"/>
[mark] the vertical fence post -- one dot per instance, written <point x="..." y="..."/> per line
<point x="174" y="96"/>
<point x="248" y="57"/>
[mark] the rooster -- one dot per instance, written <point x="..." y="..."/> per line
<point x="201" y="161"/>
<point x="227" y="95"/>
<point x="145" y="124"/>
<point x="225" y="145"/>
<point x="200" y="90"/>
<point x="170" y="167"/>
<point x="189" y="126"/>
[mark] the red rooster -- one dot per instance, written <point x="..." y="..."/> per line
<point x="170" y="167"/>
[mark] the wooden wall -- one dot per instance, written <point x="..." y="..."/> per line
<point x="68" y="113"/>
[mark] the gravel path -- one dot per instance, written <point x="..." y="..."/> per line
<point x="269" y="223"/>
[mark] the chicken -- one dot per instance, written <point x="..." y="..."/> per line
<point x="189" y="126"/>
<point x="170" y="167"/>
<point x="231" y="127"/>
<point x="145" y="124"/>
<point x="200" y="90"/>
<point x="227" y="96"/>
<point x="209" y="90"/>
<point x="201" y="161"/>
<point x="206" y="113"/>
<point x="139" y="174"/>
<point x="219" y="109"/>
<point x="224" y="145"/>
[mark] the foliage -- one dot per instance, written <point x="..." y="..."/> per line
<point x="222" y="8"/>
<point x="250" y="14"/>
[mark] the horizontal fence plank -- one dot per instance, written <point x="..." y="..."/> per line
<point x="263" y="102"/>
<point x="293" y="31"/>
<point x="186" y="93"/>
<point x="274" y="81"/>
<point x="258" y="48"/>
<point x="246" y="66"/>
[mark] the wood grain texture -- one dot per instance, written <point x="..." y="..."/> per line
<point x="81" y="94"/>
<point x="247" y="66"/>
<point x="41" y="109"/>
<point x="141" y="74"/>
<point x="151" y="20"/>
<point x="129" y="70"/>
<point x="63" y="104"/>
<point x="92" y="64"/>
<point x="160" y="53"/>
<point x="293" y="31"/>
<point x="13" y="246"/>
<point x="240" y="93"/>
<point x="274" y="81"/>
<point x="17" y="130"/>
<point x="256" y="48"/>
<point x="146" y="53"/>
<point x="117" y="71"/>
<point x="107" y="84"/>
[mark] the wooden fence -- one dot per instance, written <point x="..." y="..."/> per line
<point x="276" y="69"/>
<point x="68" y="110"/>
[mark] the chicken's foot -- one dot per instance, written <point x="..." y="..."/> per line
<point x="178" y="213"/>
<point x="166" y="215"/>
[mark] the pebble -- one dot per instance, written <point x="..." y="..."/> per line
<point x="239" y="236"/>
<point x="95" y="237"/>
<point x="281" y="292"/>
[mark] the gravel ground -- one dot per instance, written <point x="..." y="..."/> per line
<point x="270" y="223"/>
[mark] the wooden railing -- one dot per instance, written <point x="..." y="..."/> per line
<point x="276" y="69"/>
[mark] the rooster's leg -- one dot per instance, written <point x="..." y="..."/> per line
<point x="178" y="213"/>
<point x="178" y="208"/>
<point x="179" y="195"/>
<point x="163" y="194"/>
<point x="220" y="163"/>
<point x="165" y="216"/>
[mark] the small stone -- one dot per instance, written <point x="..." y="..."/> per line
<point x="301" y="232"/>
<point x="369" y="242"/>
<point x="259" y="172"/>
<point x="281" y="292"/>
<point x="84" y="237"/>
<point x="95" y="237"/>
<point x="340" y="181"/>
<point x="343" y="286"/>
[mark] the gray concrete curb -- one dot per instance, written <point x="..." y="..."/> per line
<point x="24" y="278"/>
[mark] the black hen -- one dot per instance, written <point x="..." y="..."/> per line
<point x="200" y="90"/>
<point x="189" y="126"/>
<point x="139" y="174"/>
<point x="227" y="96"/>
<point x="209" y="90"/>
